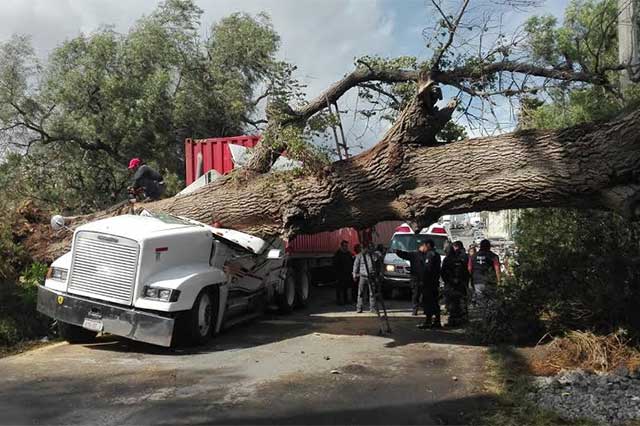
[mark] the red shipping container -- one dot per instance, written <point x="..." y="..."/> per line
<point x="322" y="243"/>
<point x="215" y="154"/>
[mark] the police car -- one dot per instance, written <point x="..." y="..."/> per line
<point x="397" y="271"/>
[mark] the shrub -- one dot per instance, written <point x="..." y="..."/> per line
<point x="582" y="268"/>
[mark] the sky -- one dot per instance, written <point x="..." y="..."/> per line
<point x="322" y="37"/>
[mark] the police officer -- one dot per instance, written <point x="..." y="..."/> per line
<point x="484" y="267"/>
<point x="431" y="290"/>
<point x="417" y="260"/>
<point x="458" y="246"/>
<point x="455" y="276"/>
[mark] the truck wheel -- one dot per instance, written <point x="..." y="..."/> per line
<point x="287" y="300"/>
<point x="201" y="319"/>
<point x="302" y="288"/>
<point x="75" y="334"/>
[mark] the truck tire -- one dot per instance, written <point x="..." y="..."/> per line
<point x="303" y="287"/>
<point x="287" y="300"/>
<point x="200" y="321"/>
<point x="75" y="334"/>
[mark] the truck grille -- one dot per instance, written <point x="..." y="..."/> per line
<point x="103" y="267"/>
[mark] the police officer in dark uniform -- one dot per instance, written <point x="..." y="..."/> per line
<point x="455" y="276"/>
<point x="431" y="292"/>
<point x="458" y="246"/>
<point x="417" y="260"/>
<point x="484" y="267"/>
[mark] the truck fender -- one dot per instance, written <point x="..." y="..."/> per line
<point x="188" y="279"/>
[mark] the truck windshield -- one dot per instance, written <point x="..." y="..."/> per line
<point x="167" y="218"/>
<point x="410" y="242"/>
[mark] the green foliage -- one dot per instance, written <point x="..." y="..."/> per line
<point x="33" y="276"/>
<point x="576" y="107"/>
<point x="509" y="316"/>
<point x="583" y="267"/>
<point x="18" y="317"/>
<point x="587" y="38"/>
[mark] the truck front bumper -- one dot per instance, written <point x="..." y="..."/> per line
<point x="130" y="323"/>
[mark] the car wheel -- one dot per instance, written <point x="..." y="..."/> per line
<point x="287" y="300"/>
<point x="75" y="334"/>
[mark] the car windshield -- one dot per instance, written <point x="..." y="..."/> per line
<point x="410" y="242"/>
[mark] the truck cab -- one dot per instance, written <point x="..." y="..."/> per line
<point x="397" y="271"/>
<point x="162" y="279"/>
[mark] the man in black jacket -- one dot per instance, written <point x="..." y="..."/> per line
<point x="456" y="277"/>
<point x="146" y="179"/>
<point x="431" y="287"/>
<point x="343" y="265"/>
<point x="417" y="261"/>
<point x="425" y="279"/>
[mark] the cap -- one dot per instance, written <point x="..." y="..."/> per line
<point x="135" y="162"/>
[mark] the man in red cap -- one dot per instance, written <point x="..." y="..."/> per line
<point x="146" y="179"/>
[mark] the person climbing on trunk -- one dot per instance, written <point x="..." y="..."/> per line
<point x="145" y="180"/>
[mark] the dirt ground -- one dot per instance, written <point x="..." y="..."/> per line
<point x="321" y="365"/>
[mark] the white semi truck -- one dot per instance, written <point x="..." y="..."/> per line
<point x="163" y="279"/>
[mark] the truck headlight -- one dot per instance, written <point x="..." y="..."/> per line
<point x="162" y="294"/>
<point x="57" y="274"/>
<point x="390" y="268"/>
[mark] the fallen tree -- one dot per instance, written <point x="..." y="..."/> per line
<point x="409" y="175"/>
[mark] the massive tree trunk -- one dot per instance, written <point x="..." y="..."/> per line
<point x="590" y="166"/>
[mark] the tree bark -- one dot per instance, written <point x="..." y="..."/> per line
<point x="590" y="166"/>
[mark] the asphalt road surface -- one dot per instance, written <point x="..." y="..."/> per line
<point x="321" y="365"/>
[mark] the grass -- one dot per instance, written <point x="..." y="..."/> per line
<point x="589" y="351"/>
<point x="509" y="380"/>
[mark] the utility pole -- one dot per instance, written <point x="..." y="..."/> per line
<point x="629" y="41"/>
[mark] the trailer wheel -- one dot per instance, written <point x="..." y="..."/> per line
<point x="201" y="319"/>
<point x="287" y="300"/>
<point x="303" y="287"/>
<point x="75" y="334"/>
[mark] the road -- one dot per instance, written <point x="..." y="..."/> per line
<point x="321" y="365"/>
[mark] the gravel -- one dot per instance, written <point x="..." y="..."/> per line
<point x="612" y="398"/>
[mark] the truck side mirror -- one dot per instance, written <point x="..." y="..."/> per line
<point x="57" y="222"/>
<point x="274" y="254"/>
